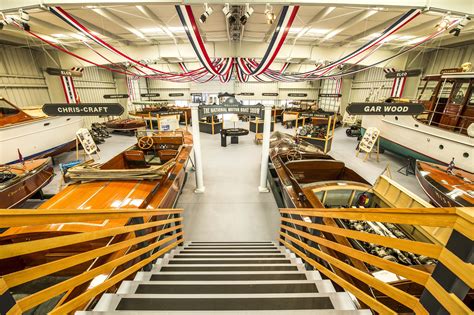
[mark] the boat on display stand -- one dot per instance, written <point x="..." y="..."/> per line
<point x="34" y="136"/>
<point x="21" y="181"/>
<point x="445" y="130"/>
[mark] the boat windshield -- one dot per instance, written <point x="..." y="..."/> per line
<point x="6" y="109"/>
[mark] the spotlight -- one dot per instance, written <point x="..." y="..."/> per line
<point x="444" y="23"/>
<point x="207" y="11"/>
<point x="457" y="30"/>
<point x="248" y="13"/>
<point x="228" y="14"/>
<point x="269" y="14"/>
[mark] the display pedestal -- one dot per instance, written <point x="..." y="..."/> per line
<point x="210" y="128"/>
<point x="257" y="126"/>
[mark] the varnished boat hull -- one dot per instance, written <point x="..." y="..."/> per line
<point x="16" y="194"/>
<point x="437" y="193"/>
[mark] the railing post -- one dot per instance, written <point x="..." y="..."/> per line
<point x="177" y="215"/>
<point x="463" y="248"/>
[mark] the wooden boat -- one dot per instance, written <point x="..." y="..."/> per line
<point x="441" y="132"/>
<point x="105" y="193"/>
<point x="302" y="176"/>
<point x="149" y="110"/>
<point x="34" y="136"/>
<point x="446" y="189"/>
<point x="125" y="124"/>
<point x="20" y="181"/>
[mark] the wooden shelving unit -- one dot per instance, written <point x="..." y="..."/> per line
<point x="320" y="119"/>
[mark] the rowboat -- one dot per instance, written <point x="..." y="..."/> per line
<point x="20" y="181"/>
<point x="446" y="188"/>
<point x="34" y="136"/>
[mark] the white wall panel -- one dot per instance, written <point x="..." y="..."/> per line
<point x="21" y="79"/>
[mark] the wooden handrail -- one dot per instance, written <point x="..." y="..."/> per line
<point x="160" y="231"/>
<point x="29" y="217"/>
<point x="298" y="232"/>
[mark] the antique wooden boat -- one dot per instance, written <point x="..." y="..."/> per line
<point x="20" y="181"/>
<point x="445" y="189"/>
<point x="149" y="109"/>
<point x="442" y="131"/>
<point x="125" y="124"/>
<point x="34" y="136"/>
<point x="103" y="193"/>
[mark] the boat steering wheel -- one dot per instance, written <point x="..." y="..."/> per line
<point x="294" y="155"/>
<point x="145" y="142"/>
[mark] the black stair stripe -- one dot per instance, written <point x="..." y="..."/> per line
<point x="224" y="304"/>
<point x="228" y="248"/>
<point x="230" y="268"/>
<point x="231" y="242"/>
<point x="227" y="288"/>
<point x="229" y="256"/>
<point x="230" y="245"/>
<point x="229" y="277"/>
<point x="228" y="262"/>
<point x="195" y="251"/>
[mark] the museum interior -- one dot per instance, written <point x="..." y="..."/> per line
<point x="190" y="157"/>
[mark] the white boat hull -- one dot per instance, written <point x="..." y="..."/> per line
<point x="408" y="136"/>
<point x="36" y="137"/>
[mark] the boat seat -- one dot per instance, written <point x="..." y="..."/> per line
<point x="135" y="159"/>
<point x="167" y="154"/>
<point x="152" y="159"/>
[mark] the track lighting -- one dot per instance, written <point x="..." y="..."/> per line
<point x="457" y="30"/>
<point x="207" y="11"/>
<point x="269" y="14"/>
<point x="444" y="23"/>
<point x="228" y="14"/>
<point x="248" y="13"/>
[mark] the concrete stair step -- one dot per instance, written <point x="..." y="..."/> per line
<point x="234" y="267"/>
<point x="225" y="302"/>
<point x="272" y="312"/>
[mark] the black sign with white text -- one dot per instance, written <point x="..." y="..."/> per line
<point x="88" y="109"/>
<point x="176" y="94"/>
<point x="385" y="108"/>
<point x="329" y="95"/>
<point x="114" y="96"/>
<point x="403" y="73"/>
<point x="150" y="95"/>
<point x="269" y="94"/>
<point x="63" y="72"/>
<point x="297" y="94"/>
<point x="247" y="94"/>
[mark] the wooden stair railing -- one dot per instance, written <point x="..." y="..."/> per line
<point x="460" y="220"/>
<point x="161" y="232"/>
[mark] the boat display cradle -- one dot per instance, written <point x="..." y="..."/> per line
<point x="370" y="141"/>
<point x="324" y="122"/>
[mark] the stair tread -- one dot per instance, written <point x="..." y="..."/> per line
<point x="222" y="277"/>
<point x="259" y="312"/>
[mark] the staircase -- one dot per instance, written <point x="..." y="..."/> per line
<point x="230" y="277"/>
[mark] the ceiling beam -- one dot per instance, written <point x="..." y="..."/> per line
<point x="375" y="29"/>
<point x="100" y="30"/>
<point x="112" y="17"/>
<point x="315" y="19"/>
<point x="159" y="23"/>
<point x="349" y="23"/>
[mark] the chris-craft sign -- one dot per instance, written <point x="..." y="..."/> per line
<point x="385" y="108"/>
<point x="63" y="72"/>
<point x="231" y="106"/>
<point x="92" y="109"/>
<point x="114" y="96"/>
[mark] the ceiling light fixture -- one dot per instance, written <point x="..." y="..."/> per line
<point x="457" y="30"/>
<point x="269" y="13"/>
<point x="248" y="12"/>
<point x="207" y="11"/>
<point x="228" y="14"/>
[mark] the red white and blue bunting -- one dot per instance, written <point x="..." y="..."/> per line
<point x="69" y="90"/>
<point x="398" y="83"/>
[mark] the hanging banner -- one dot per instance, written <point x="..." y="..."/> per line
<point x="231" y="106"/>
<point x="402" y="74"/>
<point x="89" y="109"/>
<point x="385" y="108"/>
<point x="114" y="96"/>
<point x="63" y="72"/>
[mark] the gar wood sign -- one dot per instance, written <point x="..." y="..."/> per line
<point x="85" y="109"/>
<point x="385" y="108"/>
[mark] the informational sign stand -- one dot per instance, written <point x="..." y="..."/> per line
<point x="369" y="141"/>
<point x="84" y="137"/>
<point x="349" y="120"/>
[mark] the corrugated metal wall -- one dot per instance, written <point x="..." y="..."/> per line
<point x="370" y="84"/>
<point x="21" y="79"/>
<point x="447" y="58"/>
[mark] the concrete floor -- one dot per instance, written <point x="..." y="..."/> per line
<point x="232" y="209"/>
